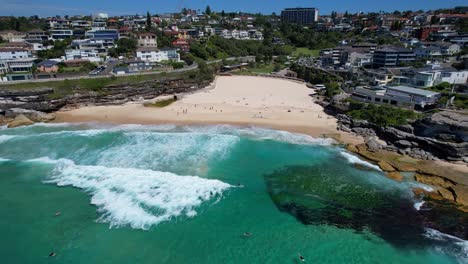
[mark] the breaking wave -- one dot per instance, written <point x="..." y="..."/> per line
<point x="135" y="197"/>
<point x="355" y="160"/>
<point x="459" y="248"/>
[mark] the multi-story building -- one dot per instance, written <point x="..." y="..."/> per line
<point x="154" y="55"/>
<point x="434" y="49"/>
<point x="7" y="54"/>
<point x="302" y="16"/>
<point x="103" y="34"/>
<point x="148" y="40"/>
<point x="93" y="50"/>
<point x="36" y="36"/>
<point x="61" y="34"/>
<point x="392" y="56"/>
<point x="430" y="76"/>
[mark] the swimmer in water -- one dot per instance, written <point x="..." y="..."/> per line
<point x="301" y="258"/>
<point x="58" y="213"/>
<point x="246" y="234"/>
<point x="52" y="254"/>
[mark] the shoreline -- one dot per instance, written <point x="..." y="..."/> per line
<point x="230" y="100"/>
<point x="276" y="104"/>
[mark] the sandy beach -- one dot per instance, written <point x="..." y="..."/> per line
<point x="239" y="100"/>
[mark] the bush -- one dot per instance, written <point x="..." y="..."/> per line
<point x="381" y="115"/>
<point x="177" y="65"/>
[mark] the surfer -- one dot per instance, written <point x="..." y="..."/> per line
<point x="52" y="254"/>
<point x="58" y="213"/>
<point x="301" y="258"/>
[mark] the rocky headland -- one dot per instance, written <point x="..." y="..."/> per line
<point x="26" y="106"/>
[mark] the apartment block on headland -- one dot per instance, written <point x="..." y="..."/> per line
<point x="302" y="16"/>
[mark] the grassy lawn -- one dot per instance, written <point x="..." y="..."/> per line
<point x="72" y="69"/>
<point x="306" y="52"/>
<point x="92" y="83"/>
<point x="163" y="103"/>
<point x="264" y="68"/>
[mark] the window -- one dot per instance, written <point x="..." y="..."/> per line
<point x="385" y="101"/>
<point x="377" y="99"/>
<point x="393" y="102"/>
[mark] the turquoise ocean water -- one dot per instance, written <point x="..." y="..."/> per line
<point x="187" y="194"/>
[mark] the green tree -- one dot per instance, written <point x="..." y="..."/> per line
<point x="148" y="21"/>
<point x="208" y="10"/>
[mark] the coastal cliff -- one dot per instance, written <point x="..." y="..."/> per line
<point x="52" y="99"/>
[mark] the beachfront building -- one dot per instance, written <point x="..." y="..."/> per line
<point x="302" y="16"/>
<point x="155" y="55"/>
<point x="398" y="96"/>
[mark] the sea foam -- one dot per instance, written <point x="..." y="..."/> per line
<point x="135" y="197"/>
<point x="4" y="138"/>
<point x="355" y="160"/>
<point x="461" y="246"/>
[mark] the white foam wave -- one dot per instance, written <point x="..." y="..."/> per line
<point x="462" y="245"/>
<point x="150" y="150"/>
<point x="418" y="205"/>
<point x="355" y="160"/>
<point x="262" y="134"/>
<point x="4" y="160"/>
<point x="425" y="187"/>
<point x="4" y="138"/>
<point x="135" y="197"/>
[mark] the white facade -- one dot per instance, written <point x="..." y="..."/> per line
<point x="153" y="55"/>
<point x="148" y="40"/>
<point x="78" y="54"/>
<point x="13" y="54"/>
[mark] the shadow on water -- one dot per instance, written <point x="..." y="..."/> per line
<point x="334" y="194"/>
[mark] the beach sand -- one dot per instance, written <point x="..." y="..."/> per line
<point x="237" y="100"/>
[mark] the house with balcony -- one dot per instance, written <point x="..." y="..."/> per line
<point x="12" y="36"/>
<point x="437" y="49"/>
<point x="61" y="34"/>
<point x="147" y="40"/>
<point x="93" y="50"/>
<point x="430" y="76"/>
<point x="155" y="55"/>
<point x="36" y="36"/>
<point x="103" y="34"/>
<point x="83" y="24"/>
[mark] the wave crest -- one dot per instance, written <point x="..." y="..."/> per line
<point x="135" y="197"/>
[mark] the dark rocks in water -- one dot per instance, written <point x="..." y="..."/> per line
<point x="324" y="196"/>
